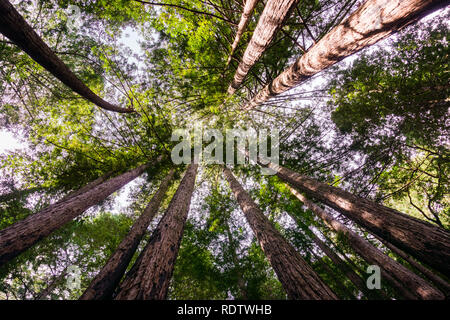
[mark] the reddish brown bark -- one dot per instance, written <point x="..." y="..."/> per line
<point x="103" y="285"/>
<point x="14" y="27"/>
<point x="421" y="239"/>
<point x="150" y="276"/>
<point x="246" y="15"/>
<point x="297" y="277"/>
<point x="272" y="18"/>
<point x="410" y="285"/>
<point x="23" y="234"/>
<point x="373" y="21"/>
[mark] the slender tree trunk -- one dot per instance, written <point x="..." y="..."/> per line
<point x="14" y="27"/>
<point x="103" y="285"/>
<point x="241" y="282"/>
<point x="297" y="277"/>
<point x="25" y="233"/>
<point x="434" y="278"/>
<point x="150" y="276"/>
<point x="43" y="295"/>
<point x="341" y="264"/>
<point x="421" y="239"/>
<point x="332" y="273"/>
<point x="407" y="282"/>
<point x="246" y="15"/>
<point x="371" y="22"/>
<point x="349" y="273"/>
<point x="271" y="20"/>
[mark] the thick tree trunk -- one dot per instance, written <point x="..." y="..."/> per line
<point x="421" y="239"/>
<point x="407" y="282"/>
<point x="103" y="285"/>
<point x="271" y="20"/>
<point x="297" y="277"/>
<point x="150" y="276"/>
<point x="246" y="15"/>
<point x="23" y="234"/>
<point x="373" y="21"/>
<point x="14" y="27"/>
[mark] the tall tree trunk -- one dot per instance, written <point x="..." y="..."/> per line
<point x="150" y="276"/>
<point x="297" y="277"/>
<point x="371" y="22"/>
<point x="14" y="27"/>
<point x="271" y="20"/>
<point x="240" y="279"/>
<point x="337" y="280"/>
<point x="103" y="285"/>
<point x="434" y="278"/>
<point x="404" y="278"/>
<point x="25" y="233"/>
<point x="246" y="15"/>
<point x="341" y="264"/>
<point x="421" y="239"/>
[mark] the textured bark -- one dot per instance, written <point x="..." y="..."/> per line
<point x="297" y="277"/>
<point x="370" y="23"/>
<point x="421" y="239"/>
<point x="272" y="18"/>
<point x="150" y="276"/>
<point x="246" y="15"/>
<point x="23" y="234"/>
<point x="434" y="278"/>
<point x="103" y="285"/>
<point x="410" y="285"/>
<point x="14" y="27"/>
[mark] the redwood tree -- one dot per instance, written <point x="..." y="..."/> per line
<point x="25" y="233"/>
<point x="297" y="277"/>
<point x="103" y="285"/>
<point x="370" y="23"/>
<point x="14" y="27"/>
<point x="150" y="276"/>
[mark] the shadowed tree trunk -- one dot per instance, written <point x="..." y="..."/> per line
<point x="246" y="15"/>
<point x="14" y="27"/>
<point x="297" y="277"/>
<point x="421" y="239"/>
<point x="407" y="282"/>
<point x="103" y="285"/>
<point x="373" y="21"/>
<point x="359" y="283"/>
<point x="272" y="18"/>
<point x="150" y="276"/>
<point x="434" y="278"/>
<point x="87" y="187"/>
<point x="23" y="234"/>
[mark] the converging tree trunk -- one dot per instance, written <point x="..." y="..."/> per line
<point x="407" y="282"/>
<point x="272" y="18"/>
<point x="103" y="285"/>
<point x="246" y="15"/>
<point x="371" y="22"/>
<point x="150" y="276"/>
<point x="421" y="239"/>
<point x="23" y="234"/>
<point x="14" y="27"/>
<point x="297" y="277"/>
